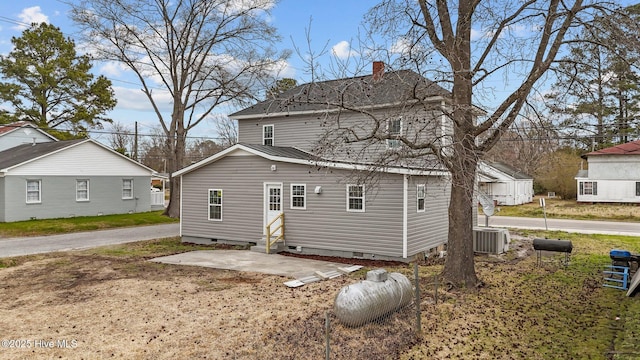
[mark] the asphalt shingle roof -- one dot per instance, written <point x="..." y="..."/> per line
<point x="630" y="148"/>
<point x="392" y="88"/>
<point x="282" y="151"/>
<point x="509" y="170"/>
<point x="22" y="153"/>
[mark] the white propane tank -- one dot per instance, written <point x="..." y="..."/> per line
<point x="380" y="294"/>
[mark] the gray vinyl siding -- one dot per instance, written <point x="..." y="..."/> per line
<point x="325" y="224"/>
<point x="298" y="131"/>
<point x="58" y="197"/>
<point x="305" y="131"/>
<point x="430" y="228"/>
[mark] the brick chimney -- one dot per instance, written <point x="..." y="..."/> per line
<point x="378" y="70"/>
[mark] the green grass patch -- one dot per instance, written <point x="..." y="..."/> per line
<point x="526" y="311"/>
<point x="154" y="248"/>
<point x="570" y="209"/>
<point x="82" y="223"/>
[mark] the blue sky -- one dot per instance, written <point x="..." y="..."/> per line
<point x="336" y="29"/>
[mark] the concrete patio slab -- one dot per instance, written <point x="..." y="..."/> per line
<point x="243" y="260"/>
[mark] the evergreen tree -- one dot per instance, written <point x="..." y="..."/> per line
<point x="46" y="82"/>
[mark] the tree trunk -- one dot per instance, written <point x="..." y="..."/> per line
<point x="459" y="266"/>
<point x="177" y="144"/>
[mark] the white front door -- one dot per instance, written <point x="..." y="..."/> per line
<point x="272" y="205"/>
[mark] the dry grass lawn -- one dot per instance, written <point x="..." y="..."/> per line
<point x="112" y="303"/>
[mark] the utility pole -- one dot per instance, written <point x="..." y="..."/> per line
<point x="135" y="143"/>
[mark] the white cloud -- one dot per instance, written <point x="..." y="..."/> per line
<point x="135" y="99"/>
<point x="113" y="68"/>
<point x="31" y="15"/>
<point x="342" y="50"/>
<point x="401" y="46"/>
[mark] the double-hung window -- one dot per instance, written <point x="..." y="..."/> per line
<point x="421" y="195"/>
<point x="82" y="190"/>
<point x="298" y="196"/>
<point x="127" y="188"/>
<point x="267" y="135"/>
<point x="394" y="130"/>
<point x="215" y="204"/>
<point x="589" y="188"/>
<point x="355" y="198"/>
<point x="34" y="191"/>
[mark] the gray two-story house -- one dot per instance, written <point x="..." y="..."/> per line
<point x="328" y="160"/>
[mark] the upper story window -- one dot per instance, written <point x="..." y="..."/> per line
<point x="127" y="188"/>
<point x="355" y="198"/>
<point x="421" y="195"/>
<point x="82" y="190"/>
<point x="267" y="135"/>
<point x="588" y="188"/>
<point x="215" y="204"/>
<point x="298" y="196"/>
<point x="394" y="129"/>
<point x="34" y="191"/>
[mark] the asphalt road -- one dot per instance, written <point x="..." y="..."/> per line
<point x="574" y="226"/>
<point x="10" y="247"/>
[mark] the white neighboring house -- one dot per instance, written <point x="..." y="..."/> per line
<point x="70" y="178"/>
<point x="504" y="184"/>
<point x="613" y="175"/>
<point x="22" y="132"/>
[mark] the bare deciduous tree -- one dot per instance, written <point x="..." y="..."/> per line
<point x="470" y="47"/>
<point x="203" y="53"/>
<point x="121" y="139"/>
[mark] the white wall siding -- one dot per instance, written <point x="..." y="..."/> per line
<point x="325" y="224"/>
<point x="614" y="167"/>
<point x="611" y="191"/>
<point x="3" y="203"/>
<point x="19" y="137"/>
<point x="58" y="197"/>
<point x="86" y="159"/>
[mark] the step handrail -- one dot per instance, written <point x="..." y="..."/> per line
<point x="272" y="231"/>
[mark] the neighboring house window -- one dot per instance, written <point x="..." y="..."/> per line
<point x="215" y="204"/>
<point x="267" y="135"/>
<point x="355" y="198"/>
<point x="82" y="190"/>
<point x="394" y="128"/>
<point x="421" y="195"/>
<point x="589" y="188"/>
<point x="638" y="188"/>
<point x="127" y="188"/>
<point x="34" y="191"/>
<point x="298" y="196"/>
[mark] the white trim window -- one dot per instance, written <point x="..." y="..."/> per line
<point x="355" y="198"/>
<point x="82" y="189"/>
<point x="299" y="196"/>
<point x="421" y="194"/>
<point x="34" y="191"/>
<point x="589" y="188"/>
<point x="127" y="188"/>
<point x="215" y="204"/>
<point x="267" y="135"/>
<point x="394" y="130"/>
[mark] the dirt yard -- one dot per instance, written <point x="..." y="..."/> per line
<point x="88" y="306"/>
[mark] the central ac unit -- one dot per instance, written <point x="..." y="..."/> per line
<point x="490" y="240"/>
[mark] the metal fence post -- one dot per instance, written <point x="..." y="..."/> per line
<point x="418" y="314"/>
<point x="327" y="329"/>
